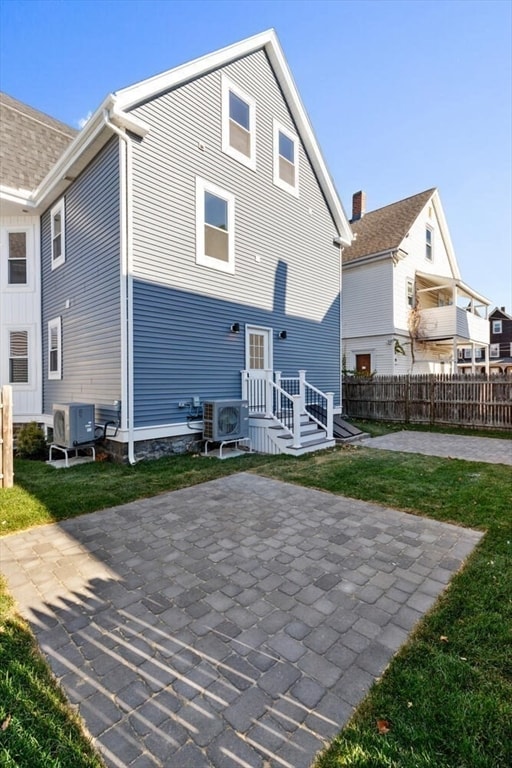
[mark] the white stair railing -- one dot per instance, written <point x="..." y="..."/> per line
<point x="286" y="399"/>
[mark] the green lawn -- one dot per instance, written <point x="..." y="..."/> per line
<point x="447" y="696"/>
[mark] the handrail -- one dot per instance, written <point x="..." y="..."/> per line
<point x="294" y="427"/>
<point x="266" y="396"/>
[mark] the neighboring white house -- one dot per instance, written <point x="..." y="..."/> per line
<point x="31" y="142"/>
<point x="405" y="306"/>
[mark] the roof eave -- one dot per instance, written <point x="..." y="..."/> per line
<point x="387" y="254"/>
<point x="441" y="280"/>
<point x="445" y="234"/>
<point x="93" y="135"/>
<point x="15" y="201"/>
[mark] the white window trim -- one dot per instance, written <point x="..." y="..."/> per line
<point x="280" y="128"/>
<point x="55" y="323"/>
<point x="430" y="229"/>
<point x="494" y="350"/>
<point x="58" y="208"/>
<point x="26" y="385"/>
<point x="499" y="325"/>
<point x="203" y="186"/>
<point x="409" y="283"/>
<point x="227" y="86"/>
<point x="28" y="284"/>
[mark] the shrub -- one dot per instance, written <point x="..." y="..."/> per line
<point x="31" y="442"/>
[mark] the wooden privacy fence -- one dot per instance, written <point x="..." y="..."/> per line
<point x="6" y="474"/>
<point x="464" y="400"/>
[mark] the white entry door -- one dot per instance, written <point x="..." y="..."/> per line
<point x="258" y="364"/>
<point x="258" y="348"/>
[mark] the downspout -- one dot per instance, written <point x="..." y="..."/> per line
<point x="337" y="241"/>
<point x="341" y="330"/>
<point x="126" y="259"/>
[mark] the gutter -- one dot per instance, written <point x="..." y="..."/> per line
<point x="63" y="172"/>
<point x="395" y="254"/>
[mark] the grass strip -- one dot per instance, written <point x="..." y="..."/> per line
<point x="38" y="729"/>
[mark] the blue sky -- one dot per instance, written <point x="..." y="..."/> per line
<point x="403" y="95"/>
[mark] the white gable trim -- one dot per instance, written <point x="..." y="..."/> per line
<point x="128" y="98"/>
<point x="444" y="232"/>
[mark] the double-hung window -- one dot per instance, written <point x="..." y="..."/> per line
<point x="17" y="258"/>
<point x="238" y="124"/>
<point x="18" y="357"/>
<point x="55" y="348"/>
<point x="215" y="227"/>
<point x="286" y="159"/>
<point x="496" y="326"/>
<point x="410" y="294"/>
<point x="58" y="234"/>
<point x="429" y="243"/>
<point x="494" y="350"/>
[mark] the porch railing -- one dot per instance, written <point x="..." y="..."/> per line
<point x="286" y="399"/>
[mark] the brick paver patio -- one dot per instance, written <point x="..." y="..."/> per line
<point x="234" y="624"/>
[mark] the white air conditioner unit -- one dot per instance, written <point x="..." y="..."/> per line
<point x="225" y="420"/>
<point x="73" y="424"/>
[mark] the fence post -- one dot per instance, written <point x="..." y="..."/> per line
<point x="407" y="398"/>
<point x="302" y="391"/>
<point x="269" y="392"/>
<point x="245" y="385"/>
<point x="432" y="399"/>
<point x="296" y="421"/>
<point x="330" y="413"/>
<point x="6" y="468"/>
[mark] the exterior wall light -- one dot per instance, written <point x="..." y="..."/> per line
<point x="235" y="328"/>
<point x="282" y="334"/>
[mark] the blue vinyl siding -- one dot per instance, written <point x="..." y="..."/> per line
<point x="287" y="268"/>
<point x="89" y="281"/>
<point x="183" y="347"/>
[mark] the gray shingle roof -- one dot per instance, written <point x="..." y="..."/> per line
<point x="30" y="143"/>
<point x="384" y="229"/>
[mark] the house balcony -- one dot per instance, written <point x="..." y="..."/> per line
<point x="451" y="322"/>
<point x="448" y="310"/>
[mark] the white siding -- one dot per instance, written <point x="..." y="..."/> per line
<point x="414" y="246"/>
<point x="271" y="224"/>
<point x="367" y="299"/>
<point x="20" y="309"/>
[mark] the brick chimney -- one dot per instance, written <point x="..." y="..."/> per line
<point x="358" y="205"/>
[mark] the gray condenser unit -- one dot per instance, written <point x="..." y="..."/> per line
<point x="225" y="420"/>
<point x="73" y="424"/>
